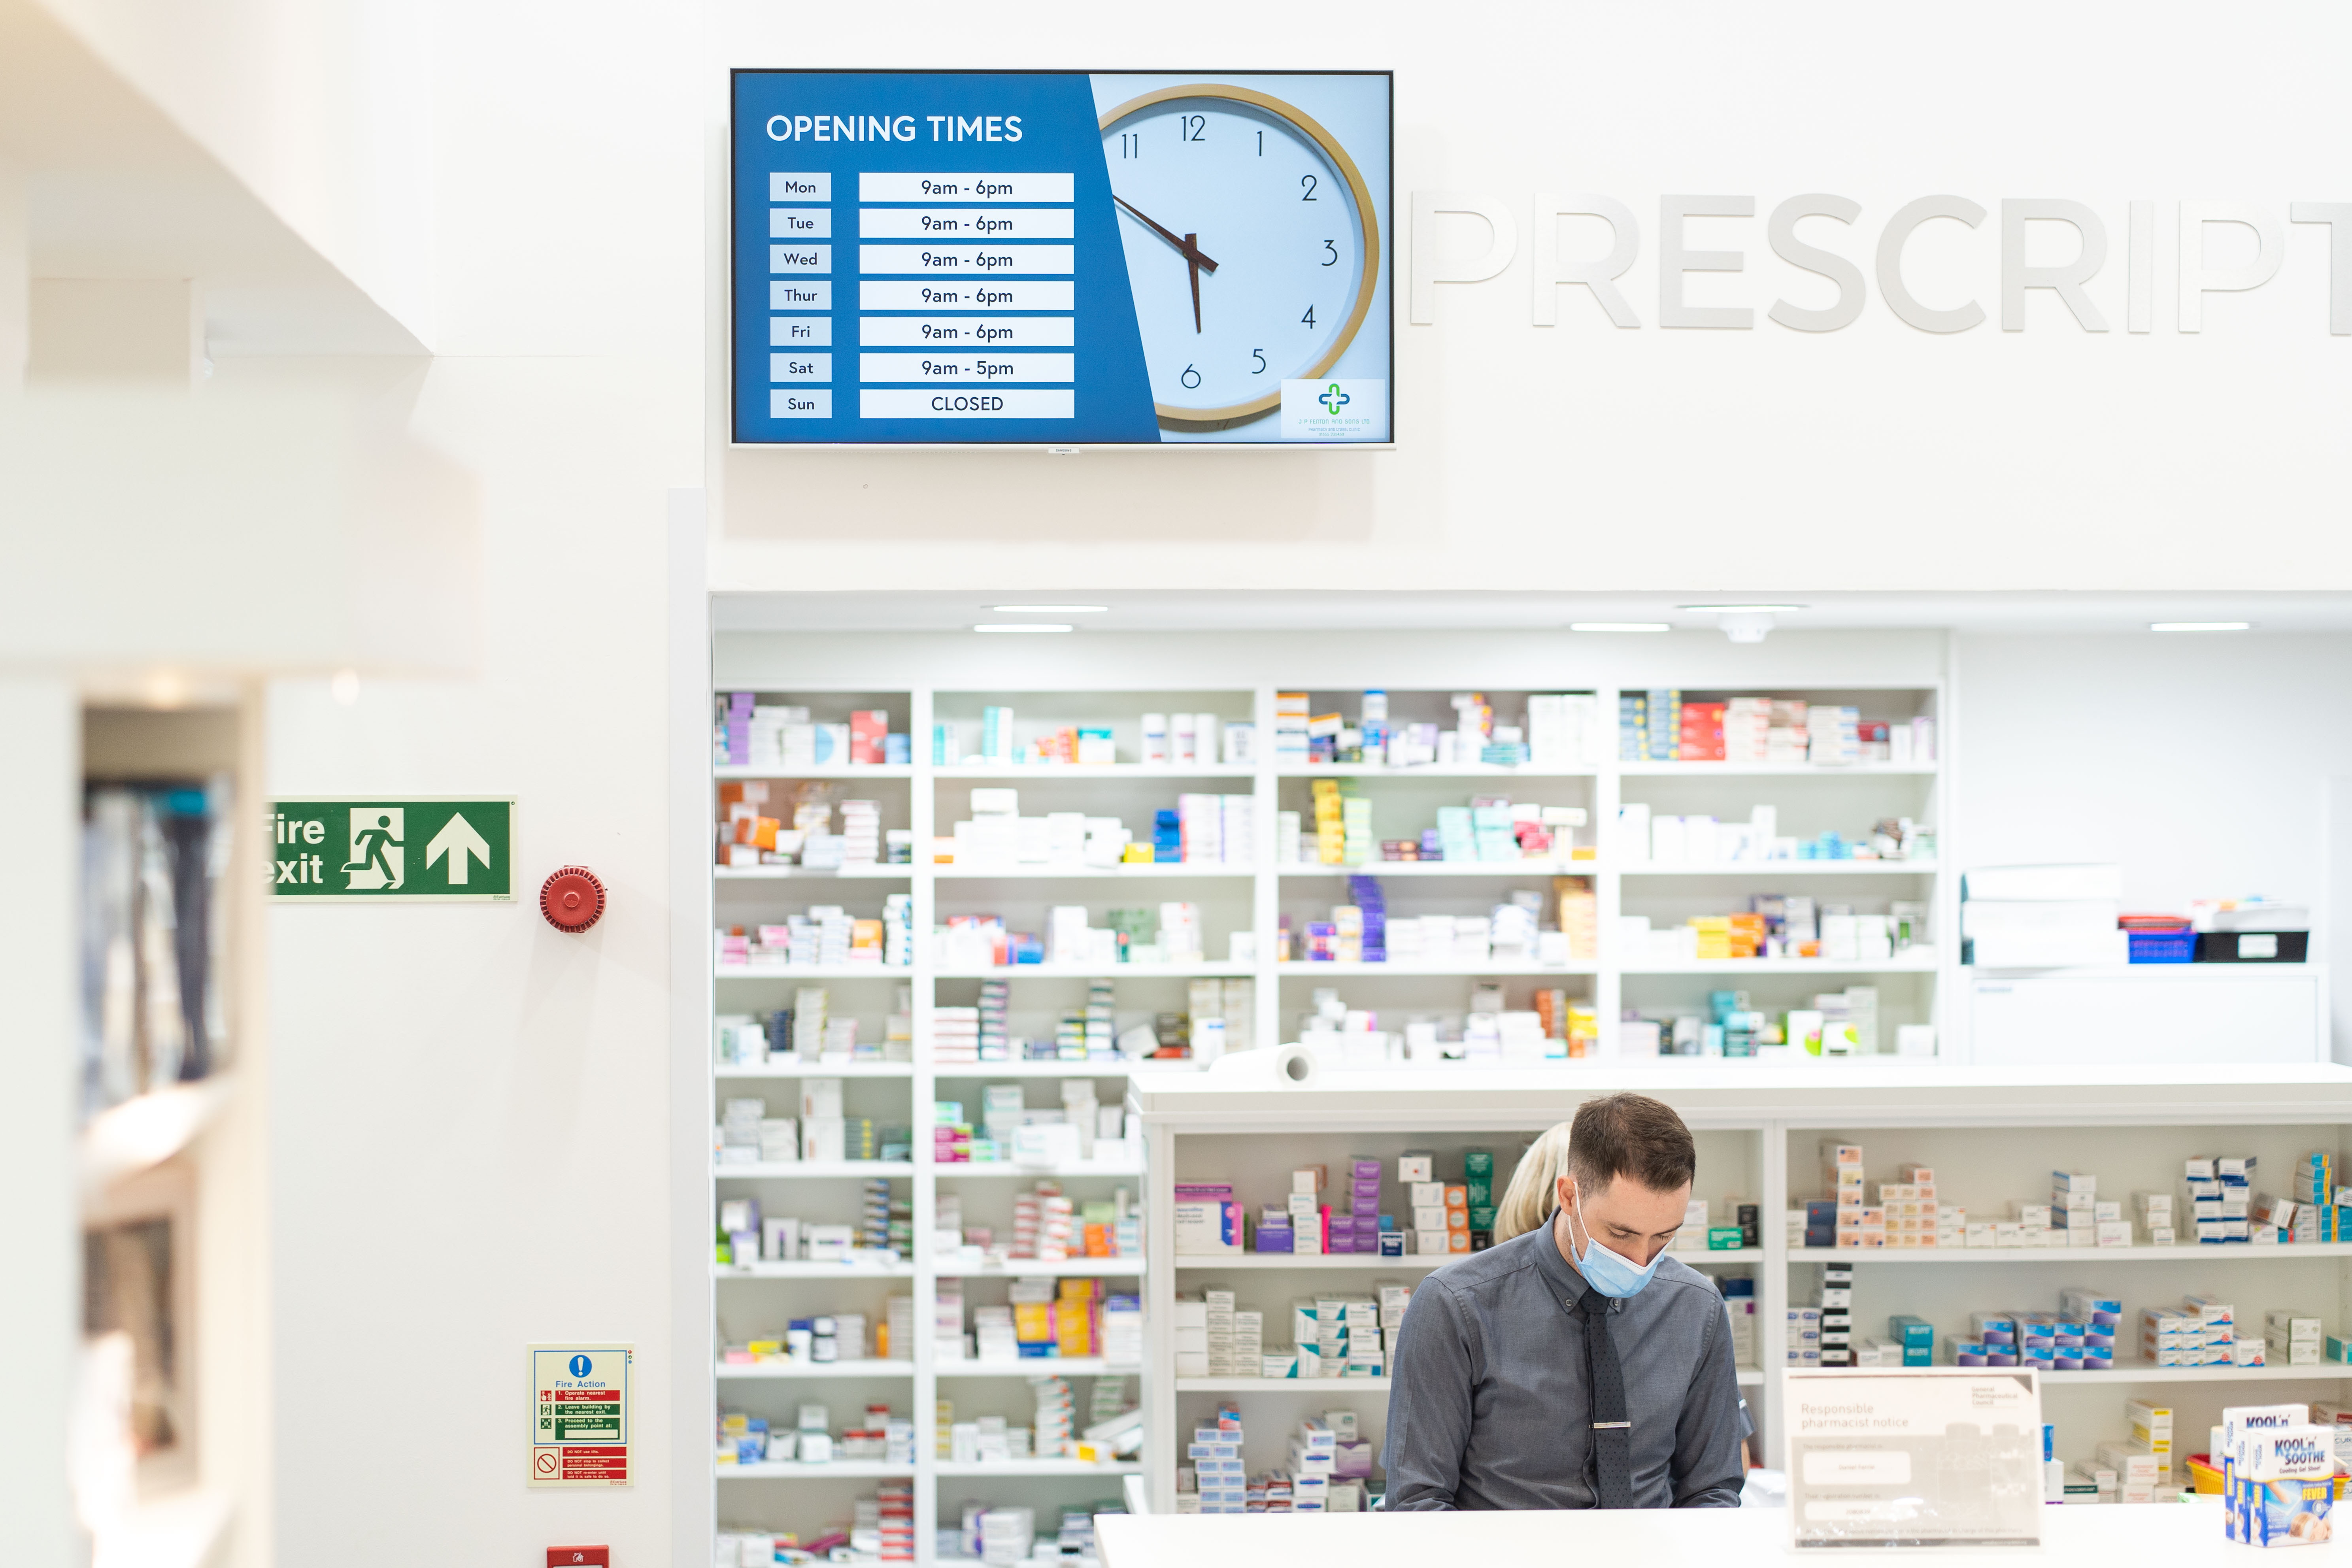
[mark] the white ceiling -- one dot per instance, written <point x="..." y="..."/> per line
<point x="1245" y="610"/>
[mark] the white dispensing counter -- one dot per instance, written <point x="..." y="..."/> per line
<point x="2158" y="1536"/>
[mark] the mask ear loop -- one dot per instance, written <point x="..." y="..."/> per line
<point x="1556" y="1211"/>
<point x="1552" y="1214"/>
<point x="1555" y="1200"/>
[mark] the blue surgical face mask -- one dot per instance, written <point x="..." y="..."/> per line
<point x="1611" y="1273"/>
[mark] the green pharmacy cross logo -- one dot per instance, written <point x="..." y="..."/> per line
<point x="1333" y="400"/>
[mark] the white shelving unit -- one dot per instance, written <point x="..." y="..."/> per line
<point x="762" y="1297"/>
<point x="1246" y="896"/>
<point x="1991" y="1135"/>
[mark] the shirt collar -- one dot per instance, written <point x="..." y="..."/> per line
<point x="1560" y="1275"/>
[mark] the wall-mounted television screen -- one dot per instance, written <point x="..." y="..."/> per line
<point x="1062" y="258"/>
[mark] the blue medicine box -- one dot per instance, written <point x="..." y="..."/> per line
<point x="1911" y="1333"/>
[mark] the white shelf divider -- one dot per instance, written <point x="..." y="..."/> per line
<point x="794" y="1470"/>
<point x="1337" y="969"/>
<point x="1012" y="1169"/>
<point x="814" y="1170"/>
<point x="1205" y="971"/>
<point x="2187" y="1252"/>
<point x="1444" y="869"/>
<point x="1335" y="1263"/>
<point x="1339" y="1387"/>
<point x="1925" y="963"/>
<point x="1038" y="1269"/>
<point x="1769" y="869"/>
<point x="1140" y="871"/>
<point x="813" y="873"/>
<point x="2139" y="1371"/>
<point x="1776" y="770"/>
<point x="1035" y="1366"/>
<point x="1059" y="771"/>
<point x="1121" y="1067"/>
<point x="794" y="1371"/>
<point x="808" y="1270"/>
<point x="1328" y="1387"/>
<point x="812" y="972"/>
<point x="1026" y="1468"/>
<point x="724" y="771"/>
<point x="798" y="1069"/>
<point x="1489" y="771"/>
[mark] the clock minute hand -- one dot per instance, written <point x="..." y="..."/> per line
<point x="1184" y="243"/>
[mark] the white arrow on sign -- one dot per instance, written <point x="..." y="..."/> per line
<point x="456" y="840"/>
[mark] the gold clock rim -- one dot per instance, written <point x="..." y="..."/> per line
<point x="1218" y="417"/>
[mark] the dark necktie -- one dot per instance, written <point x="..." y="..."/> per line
<point x="1612" y="1433"/>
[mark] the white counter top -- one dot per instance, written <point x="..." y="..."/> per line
<point x="1246" y="1091"/>
<point x="2156" y="1536"/>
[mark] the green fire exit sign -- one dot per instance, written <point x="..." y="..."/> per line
<point x="435" y="847"/>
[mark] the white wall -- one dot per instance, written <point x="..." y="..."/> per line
<point x="472" y="1108"/>
<point x="2206" y="765"/>
<point x="2202" y="763"/>
<point x="1585" y="456"/>
<point x="282" y="519"/>
<point x="1511" y="660"/>
<point x="39" y="1027"/>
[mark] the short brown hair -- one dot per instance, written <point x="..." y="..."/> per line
<point x="1630" y="1136"/>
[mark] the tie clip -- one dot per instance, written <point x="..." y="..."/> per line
<point x="1609" y="1425"/>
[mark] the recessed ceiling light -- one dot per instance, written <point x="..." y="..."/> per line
<point x="2201" y="625"/>
<point x="1051" y="610"/>
<point x="1027" y="626"/>
<point x="1742" y="609"/>
<point x="1619" y="627"/>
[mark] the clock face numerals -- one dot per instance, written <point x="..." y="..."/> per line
<point x="1248" y="206"/>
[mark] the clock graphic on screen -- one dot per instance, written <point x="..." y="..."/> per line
<point x="1252" y="245"/>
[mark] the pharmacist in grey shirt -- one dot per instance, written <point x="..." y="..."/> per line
<point x="1575" y="1365"/>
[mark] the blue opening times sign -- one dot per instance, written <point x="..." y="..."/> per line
<point x="1062" y="258"/>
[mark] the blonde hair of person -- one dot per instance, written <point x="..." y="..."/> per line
<point x="1528" y="1201"/>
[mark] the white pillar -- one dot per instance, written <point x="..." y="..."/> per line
<point x="685" y="1427"/>
<point x="40" y="1224"/>
<point x="16" y="281"/>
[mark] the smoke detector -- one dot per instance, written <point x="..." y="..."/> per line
<point x="1744" y="623"/>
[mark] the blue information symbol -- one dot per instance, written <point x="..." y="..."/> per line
<point x="582" y="1366"/>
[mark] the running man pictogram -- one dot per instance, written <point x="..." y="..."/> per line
<point x="376" y="849"/>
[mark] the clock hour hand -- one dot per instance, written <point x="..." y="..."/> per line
<point x="1182" y="242"/>
<point x="1194" y="262"/>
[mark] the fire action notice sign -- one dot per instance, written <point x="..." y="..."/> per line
<point x="580" y="1414"/>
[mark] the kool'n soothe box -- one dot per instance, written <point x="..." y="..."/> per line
<point x="2285" y="1487"/>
